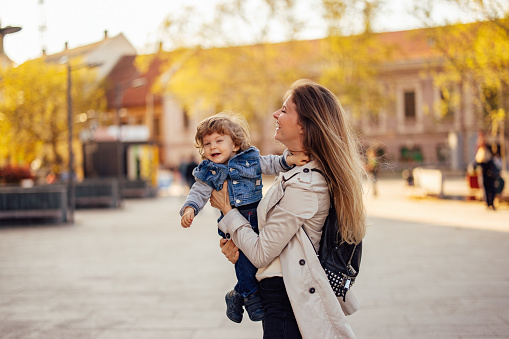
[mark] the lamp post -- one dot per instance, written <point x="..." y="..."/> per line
<point x="118" y="104"/>
<point x="71" y="198"/>
<point x="119" y="90"/>
<point x="4" y="59"/>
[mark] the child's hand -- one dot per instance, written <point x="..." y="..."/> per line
<point x="297" y="159"/>
<point x="187" y="217"/>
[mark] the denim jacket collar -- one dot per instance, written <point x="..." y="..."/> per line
<point x="215" y="174"/>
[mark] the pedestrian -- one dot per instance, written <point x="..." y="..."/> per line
<point x="490" y="174"/>
<point x="191" y="165"/>
<point x="224" y="144"/>
<point x="295" y="292"/>
<point x="372" y="167"/>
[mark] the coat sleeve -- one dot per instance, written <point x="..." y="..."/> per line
<point x="283" y="222"/>
<point x="273" y="164"/>
<point x="198" y="196"/>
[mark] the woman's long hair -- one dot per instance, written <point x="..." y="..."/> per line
<point x="331" y="141"/>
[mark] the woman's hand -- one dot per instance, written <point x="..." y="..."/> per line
<point x="230" y="251"/>
<point x="221" y="199"/>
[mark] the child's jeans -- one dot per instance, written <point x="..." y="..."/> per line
<point x="244" y="270"/>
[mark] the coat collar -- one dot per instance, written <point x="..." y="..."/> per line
<point x="310" y="165"/>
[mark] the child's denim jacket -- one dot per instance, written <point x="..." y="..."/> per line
<point x="243" y="174"/>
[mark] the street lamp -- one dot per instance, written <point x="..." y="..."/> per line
<point x="119" y="90"/>
<point x="4" y="59"/>
<point x="71" y="198"/>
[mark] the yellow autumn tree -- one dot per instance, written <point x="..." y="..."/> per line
<point x="476" y="55"/>
<point x="353" y="55"/>
<point x="33" y="106"/>
<point x="214" y="66"/>
<point x="476" y="62"/>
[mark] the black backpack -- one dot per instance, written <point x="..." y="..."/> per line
<point x="340" y="260"/>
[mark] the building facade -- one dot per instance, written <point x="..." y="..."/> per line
<point x="411" y="130"/>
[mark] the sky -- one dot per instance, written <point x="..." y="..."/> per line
<point x="81" y="22"/>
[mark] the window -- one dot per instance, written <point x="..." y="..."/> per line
<point x="443" y="153"/>
<point x="411" y="154"/>
<point x="410" y="105"/>
<point x="157" y="128"/>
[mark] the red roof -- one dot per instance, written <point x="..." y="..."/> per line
<point x="409" y="45"/>
<point x="124" y="73"/>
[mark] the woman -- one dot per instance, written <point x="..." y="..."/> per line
<point x="295" y="292"/>
<point x="490" y="174"/>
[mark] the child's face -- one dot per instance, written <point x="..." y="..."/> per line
<point x="219" y="148"/>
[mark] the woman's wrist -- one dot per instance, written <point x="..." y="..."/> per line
<point x="226" y="209"/>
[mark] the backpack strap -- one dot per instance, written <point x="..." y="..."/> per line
<point x="317" y="170"/>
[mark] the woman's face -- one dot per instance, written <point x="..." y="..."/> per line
<point x="288" y="129"/>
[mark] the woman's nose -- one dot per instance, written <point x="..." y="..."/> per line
<point x="276" y="114"/>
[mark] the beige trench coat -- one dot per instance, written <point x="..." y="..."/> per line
<point x="298" y="198"/>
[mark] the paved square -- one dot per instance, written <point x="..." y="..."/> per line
<point x="431" y="269"/>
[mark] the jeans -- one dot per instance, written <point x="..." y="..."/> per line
<point x="244" y="269"/>
<point x="279" y="321"/>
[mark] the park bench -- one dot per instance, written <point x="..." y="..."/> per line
<point x="137" y="189"/>
<point x="30" y="203"/>
<point x="428" y="181"/>
<point x="97" y="192"/>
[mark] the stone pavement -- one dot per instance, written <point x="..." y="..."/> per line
<point x="431" y="269"/>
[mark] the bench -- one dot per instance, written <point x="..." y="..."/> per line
<point x="138" y="189"/>
<point x="97" y="193"/>
<point x="47" y="202"/>
<point x="429" y="181"/>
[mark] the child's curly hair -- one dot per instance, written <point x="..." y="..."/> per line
<point x="224" y="123"/>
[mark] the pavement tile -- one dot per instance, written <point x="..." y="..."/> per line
<point x="243" y="332"/>
<point x="145" y="334"/>
<point x="50" y="334"/>
<point x="431" y="268"/>
<point x="450" y="330"/>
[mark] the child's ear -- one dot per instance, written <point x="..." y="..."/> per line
<point x="236" y="148"/>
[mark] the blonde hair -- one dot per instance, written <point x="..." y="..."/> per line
<point x="331" y="141"/>
<point x="224" y="123"/>
<point x="483" y="155"/>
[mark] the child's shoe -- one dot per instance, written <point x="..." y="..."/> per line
<point x="254" y="307"/>
<point x="234" y="302"/>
